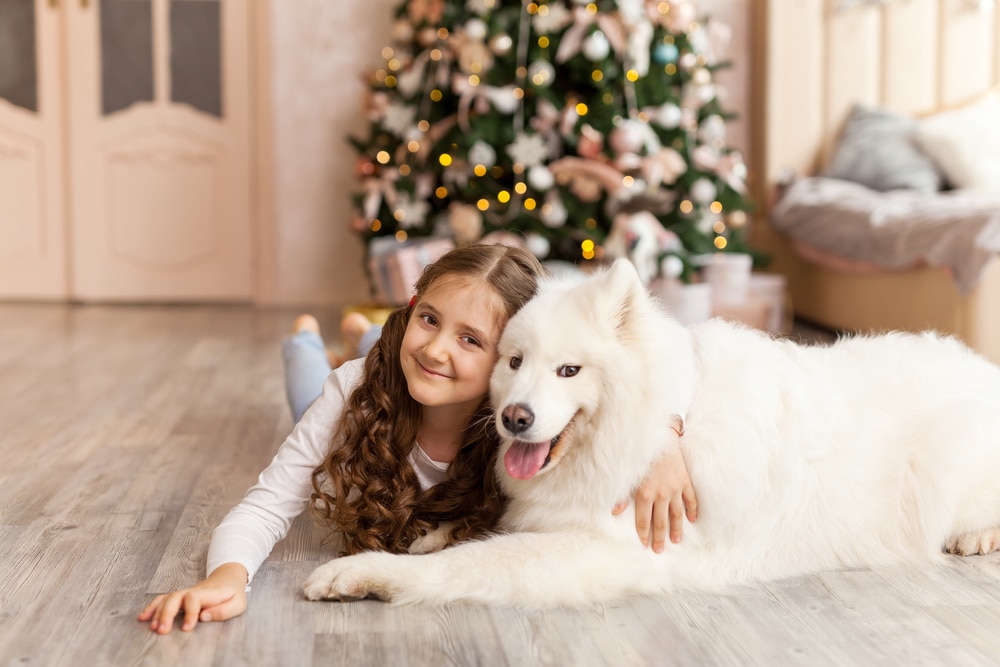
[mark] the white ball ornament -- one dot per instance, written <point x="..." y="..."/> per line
<point x="596" y="46"/>
<point x="554" y="213"/>
<point x="541" y="73"/>
<point x="476" y="29"/>
<point x="541" y="178"/>
<point x="671" y="266"/>
<point x="669" y="115"/>
<point x="538" y="245"/>
<point x="703" y="191"/>
<point x="501" y="44"/>
<point x="482" y="153"/>
<point x="626" y="138"/>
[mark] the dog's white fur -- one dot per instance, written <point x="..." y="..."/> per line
<point x="864" y="453"/>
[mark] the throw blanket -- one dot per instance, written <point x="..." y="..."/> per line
<point x="894" y="230"/>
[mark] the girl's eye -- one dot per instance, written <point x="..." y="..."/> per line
<point x="471" y="341"/>
<point x="567" y="371"/>
<point x="515" y="362"/>
<point x="429" y="319"/>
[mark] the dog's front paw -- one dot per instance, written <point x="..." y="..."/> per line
<point x="350" y="578"/>
<point x="434" y="540"/>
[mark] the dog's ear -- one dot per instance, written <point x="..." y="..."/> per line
<point x="625" y="291"/>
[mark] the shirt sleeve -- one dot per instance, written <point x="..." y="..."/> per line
<point x="252" y="528"/>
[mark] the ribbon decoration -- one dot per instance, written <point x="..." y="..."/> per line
<point x="501" y="97"/>
<point x="376" y="190"/>
<point x="609" y="178"/>
<point x="572" y="39"/>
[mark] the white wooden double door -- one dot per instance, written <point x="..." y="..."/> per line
<point x="125" y="166"/>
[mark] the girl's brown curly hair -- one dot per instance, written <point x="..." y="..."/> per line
<point x="366" y="489"/>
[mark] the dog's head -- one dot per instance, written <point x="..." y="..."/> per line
<point x="562" y="357"/>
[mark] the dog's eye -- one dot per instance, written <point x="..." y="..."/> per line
<point x="515" y="362"/>
<point x="567" y="371"/>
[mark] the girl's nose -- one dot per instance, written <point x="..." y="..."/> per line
<point x="437" y="348"/>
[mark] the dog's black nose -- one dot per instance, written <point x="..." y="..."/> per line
<point x="517" y="418"/>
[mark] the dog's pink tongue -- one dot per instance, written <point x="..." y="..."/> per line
<point x="523" y="460"/>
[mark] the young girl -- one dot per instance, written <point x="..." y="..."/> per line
<point x="399" y="442"/>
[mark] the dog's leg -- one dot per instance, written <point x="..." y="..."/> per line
<point x="524" y="569"/>
<point x="970" y="544"/>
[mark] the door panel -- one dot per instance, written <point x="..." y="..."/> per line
<point x="160" y="149"/>
<point x="32" y="223"/>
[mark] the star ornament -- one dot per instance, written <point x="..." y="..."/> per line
<point x="410" y="212"/>
<point x="529" y="150"/>
<point x="399" y="118"/>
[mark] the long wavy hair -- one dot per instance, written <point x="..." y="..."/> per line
<point x="366" y="489"/>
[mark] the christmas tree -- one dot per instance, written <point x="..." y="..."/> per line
<point x="557" y="121"/>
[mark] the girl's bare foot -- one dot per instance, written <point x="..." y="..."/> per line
<point x="353" y="327"/>
<point x="305" y="322"/>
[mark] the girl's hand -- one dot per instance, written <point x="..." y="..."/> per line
<point x="665" y="496"/>
<point x="219" y="597"/>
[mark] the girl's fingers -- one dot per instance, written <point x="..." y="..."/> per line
<point x="147" y="613"/>
<point x="192" y="610"/>
<point x="690" y="503"/>
<point x="676" y="519"/>
<point x="662" y="520"/>
<point x="643" y="514"/>
<point x="224" y="611"/>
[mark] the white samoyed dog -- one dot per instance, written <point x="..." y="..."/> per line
<point x="868" y="452"/>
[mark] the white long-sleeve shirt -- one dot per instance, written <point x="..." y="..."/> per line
<point x="252" y="528"/>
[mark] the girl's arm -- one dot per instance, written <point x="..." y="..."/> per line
<point x="665" y="496"/>
<point x="218" y="597"/>
<point x="246" y="536"/>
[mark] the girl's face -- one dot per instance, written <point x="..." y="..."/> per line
<point x="450" y="345"/>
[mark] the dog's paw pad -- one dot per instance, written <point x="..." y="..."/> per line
<point x="344" y="580"/>
<point x="975" y="543"/>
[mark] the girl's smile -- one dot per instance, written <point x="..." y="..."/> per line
<point x="449" y="347"/>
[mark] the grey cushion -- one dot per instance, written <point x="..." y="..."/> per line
<point x="876" y="148"/>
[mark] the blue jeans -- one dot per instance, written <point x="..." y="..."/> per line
<point x="307" y="366"/>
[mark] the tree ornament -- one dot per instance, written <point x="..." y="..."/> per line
<point x="538" y="245"/>
<point x="402" y="31"/>
<point x="737" y="219"/>
<point x="427" y="37"/>
<point x="671" y="267"/>
<point x="528" y="150"/>
<point x="712" y="128"/>
<point x="474" y="57"/>
<point x="482" y="153"/>
<point x="476" y="29"/>
<point x="596" y="46"/>
<point x="501" y="44"/>
<point x="480" y="7"/>
<point x="669" y="115"/>
<point x="541" y="73"/>
<point x="627" y="138"/>
<point x="703" y="191"/>
<point x="665" y="53"/>
<point x="541" y="178"/>
<point x="465" y="221"/>
<point x="553" y="213"/>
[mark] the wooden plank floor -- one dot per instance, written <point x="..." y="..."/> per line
<point x="126" y="433"/>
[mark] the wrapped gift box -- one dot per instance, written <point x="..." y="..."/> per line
<point x="396" y="266"/>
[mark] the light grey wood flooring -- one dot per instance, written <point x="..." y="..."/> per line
<point x="127" y="432"/>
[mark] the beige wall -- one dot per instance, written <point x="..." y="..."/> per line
<point x="320" y="52"/>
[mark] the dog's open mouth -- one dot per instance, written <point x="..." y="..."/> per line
<point x="523" y="459"/>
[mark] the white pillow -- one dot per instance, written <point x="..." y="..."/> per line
<point x="965" y="144"/>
